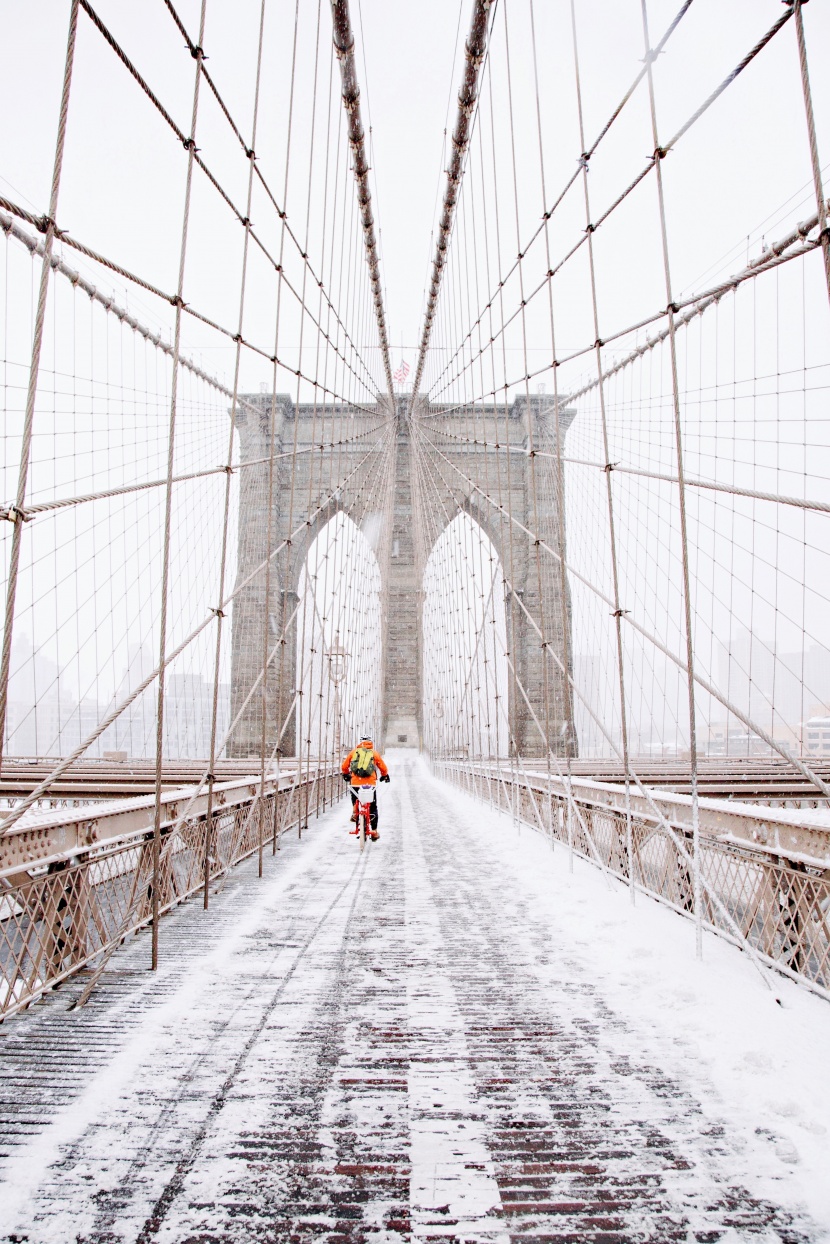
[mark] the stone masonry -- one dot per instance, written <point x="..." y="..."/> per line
<point x="525" y="486"/>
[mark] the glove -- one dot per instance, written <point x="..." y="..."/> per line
<point x="386" y="778"/>
<point x="347" y="777"/>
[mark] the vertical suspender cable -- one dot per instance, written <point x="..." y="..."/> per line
<point x="168" y="500"/>
<point x="612" y="528"/>
<point x="475" y="50"/>
<point x="811" y="134"/>
<point x="34" y="368"/>
<point x="344" y="47"/>
<point x="681" y="492"/>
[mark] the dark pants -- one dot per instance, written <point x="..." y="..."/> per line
<point x="373" y="807"/>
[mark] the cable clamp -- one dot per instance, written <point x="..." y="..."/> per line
<point x="610" y="466"/>
<point x="250" y="153"/>
<point x="245" y="221"/>
<point x="228" y="469"/>
<point x="237" y="339"/>
<point x="14" y="514"/>
<point x="43" y="224"/>
<point x="659" y="153"/>
<point x="583" y="160"/>
<point x="589" y="228"/>
<point x="620" y="613"/>
<point x="176" y="300"/>
<point x="189" y="144"/>
<point x="197" y="52"/>
<point x="599" y="343"/>
<point x="210" y="777"/>
<point x="220" y="613"/>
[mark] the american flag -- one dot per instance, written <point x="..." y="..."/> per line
<point x="401" y="374"/>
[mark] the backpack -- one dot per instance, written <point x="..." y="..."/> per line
<point x="363" y="762"/>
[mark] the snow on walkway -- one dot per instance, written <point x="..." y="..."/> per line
<point x="452" y="1037"/>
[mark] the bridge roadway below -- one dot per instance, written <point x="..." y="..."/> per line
<point x="450" y="1037"/>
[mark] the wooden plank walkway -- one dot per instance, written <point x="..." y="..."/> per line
<point x="396" y="1046"/>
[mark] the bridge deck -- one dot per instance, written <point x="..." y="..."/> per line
<point x="720" y="777"/>
<point x="448" y="1038"/>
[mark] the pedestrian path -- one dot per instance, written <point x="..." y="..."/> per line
<point x="450" y="1037"/>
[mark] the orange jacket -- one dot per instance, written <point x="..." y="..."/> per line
<point x="371" y="780"/>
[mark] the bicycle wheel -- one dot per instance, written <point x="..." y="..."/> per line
<point x="361" y="820"/>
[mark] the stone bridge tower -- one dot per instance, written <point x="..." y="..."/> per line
<point x="299" y="482"/>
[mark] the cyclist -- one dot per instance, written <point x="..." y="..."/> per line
<point x="361" y="768"/>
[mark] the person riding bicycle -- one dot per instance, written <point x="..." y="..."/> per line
<point x="361" y="768"/>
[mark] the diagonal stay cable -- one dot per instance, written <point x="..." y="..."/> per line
<point x="66" y="238"/>
<point x="650" y="165"/>
<point x="251" y="155"/>
<point x="241" y="217"/>
<point x="804" y="769"/>
<point x="171" y="656"/>
<point x="569" y="184"/>
<point x="693" y="306"/>
<point x="344" y="49"/>
<point x="475" y="50"/>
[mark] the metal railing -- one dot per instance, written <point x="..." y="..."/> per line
<point x="765" y="872"/>
<point x="74" y="886"/>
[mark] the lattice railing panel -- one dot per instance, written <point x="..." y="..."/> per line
<point x="56" y="923"/>
<point x="781" y="907"/>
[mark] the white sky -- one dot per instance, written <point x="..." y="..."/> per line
<point x="752" y="149"/>
<point x="742" y="173"/>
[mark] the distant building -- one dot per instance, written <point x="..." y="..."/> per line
<point x="43" y="719"/>
<point x="735" y="739"/>
<point x="816" y="736"/>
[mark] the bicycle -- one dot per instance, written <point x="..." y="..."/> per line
<point x="363" y="813"/>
